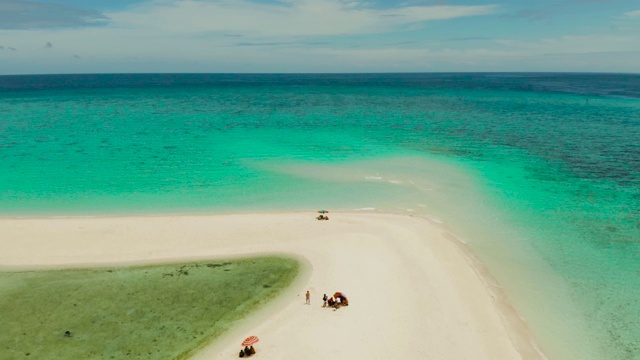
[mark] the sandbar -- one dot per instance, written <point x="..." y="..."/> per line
<point x="413" y="291"/>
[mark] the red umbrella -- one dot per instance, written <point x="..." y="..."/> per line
<point x="250" y="341"/>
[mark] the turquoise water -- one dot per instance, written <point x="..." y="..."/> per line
<point x="538" y="173"/>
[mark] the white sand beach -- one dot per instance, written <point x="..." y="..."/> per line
<point x="413" y="291"/>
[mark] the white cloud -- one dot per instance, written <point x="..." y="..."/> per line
<point x="195" y="30"/>
<point x="300" y="36"/>
<point x="575" y="44"/>
<point x="633" y="14"/>
<point x="291" y="18"/>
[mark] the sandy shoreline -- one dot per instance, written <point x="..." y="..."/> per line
<point x="413" y="291"/>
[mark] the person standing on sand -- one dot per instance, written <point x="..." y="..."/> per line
<point x="308" y="298"/>
<point x="324" y="298"/>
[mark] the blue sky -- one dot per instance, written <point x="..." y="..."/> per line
<point x="91" y="36"/>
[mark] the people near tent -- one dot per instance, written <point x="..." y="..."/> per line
<point x="241" y="353"/>
<point x="322" y="217"/>
<point x="247" y="351"/>
<point x="337" y="301"/>
<point x="340" y="300"/>
<point x="253" y="351"/>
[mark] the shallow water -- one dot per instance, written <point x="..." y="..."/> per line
<point x="538" y="173"/>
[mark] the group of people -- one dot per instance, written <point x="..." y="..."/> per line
<point x="248" y="351"/>
<point x="323" y="215"/>
<point x="339" y="301"/>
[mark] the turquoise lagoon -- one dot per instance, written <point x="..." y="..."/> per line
<point x="538" y="173"/>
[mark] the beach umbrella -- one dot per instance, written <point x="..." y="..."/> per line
<point x="323" y="211"/>
<point x="250" y="341"/>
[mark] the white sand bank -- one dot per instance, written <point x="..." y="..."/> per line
<point x="412" y="291"/>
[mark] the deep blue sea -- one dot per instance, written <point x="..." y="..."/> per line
<point x="538" y="173"/>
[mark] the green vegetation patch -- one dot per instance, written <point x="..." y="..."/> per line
<point x="143" y="312"/>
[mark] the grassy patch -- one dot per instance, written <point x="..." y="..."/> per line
<point x="144" y="312"/>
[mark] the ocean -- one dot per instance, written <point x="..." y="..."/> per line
<point x="539" y="174"/>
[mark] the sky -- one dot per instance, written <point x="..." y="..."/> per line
<point x="318" y="36"/>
